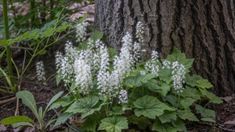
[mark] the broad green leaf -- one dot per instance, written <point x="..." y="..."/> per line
<point x="114" y="124"/>
<point x="212" y="97"/>
<point x="62" y="102"/>
<point x="15" y="119"/>
<point x="116" y="110"/>
<point x="146" y="78"/>
<point x="203" y="83"/>
<point x="192" y="80"/>
<point x="162" y="88"/>
<point x="141" y="122"/>
<point x="96" y="35"/>
<point x="62" y="119"/>
<point x="165" y="75"/>
<point x="172" y="100"/>
<point x="133" y="81"/>
<point x="206" y="114"/>
<point x="187" y="102"/>
<point x="91" y="122"/>
<point x="53" y="99"/>
<point x="159" y="127"/>
<point x="85" y="106"/>
<point x="191" y="93"/>
<point x="28" y="100"/>
<point x="177" y="55"/>
<point x="168" y="117"/>
<point x="150" y="107"/>
<point x="187" y="115"/>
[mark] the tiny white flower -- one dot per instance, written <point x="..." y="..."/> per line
<point x="81" y="31"/>
<point x="40" y="72"/>
<point x="123" y="97"/>
<point x="140" y="32"/>
<point x="83" y="76"/>
<point x="178" y="76"/>
<point x="166" y="64"/>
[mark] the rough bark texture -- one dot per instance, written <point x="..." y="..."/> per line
<point x="203" y="29"/>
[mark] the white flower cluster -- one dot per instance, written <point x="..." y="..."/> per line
<point x="110" y="83"/>
<point x="166" y="64"/>
<point x="140" y="32"/>
<point x="83" y="76"/>
<point x="40" y="72"/>
<point x="81" y="31"/>
<point x="152" y="66"/>
<point x="178" y="76"/>
<point x="93" y="64"/>
<point x="123" y="97"/>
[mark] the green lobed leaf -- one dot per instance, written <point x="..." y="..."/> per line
<point x="141" y="122"/>
<point x="96" y="35"/>
<point x="150" y="107"/>
<point x="168" y="117"/>
<point x="114" y="124"/>
<point x="62" y="119"/>
<point x="187" y="102"/>
<point x="85" y="106"/>
<point x="187" y="115"/>
<point x="206" y="114"/>
<point x="212" y="97"/>
<point x="162" y="88"/>
<point x="203" y="83"/>
<point x="15" y="119"/>
<point x="165" y="75"/>
<point x="159" y="127"/>
<point x="91" y="122"/>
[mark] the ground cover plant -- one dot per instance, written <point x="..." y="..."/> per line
<point x="113" y="91"/>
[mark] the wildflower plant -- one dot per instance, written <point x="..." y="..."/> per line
<point x="116" y="92"/>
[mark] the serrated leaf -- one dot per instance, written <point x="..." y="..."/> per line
<point x="162" y="88"/>
<point x="15" y="119"/>
<point x="114" y="124"/>
<point x="168" y="117"/>
<point x="192" y="80"/>
<point x="187" y="102"/>
<point x="191" y="93"/>
<point x="159" y="127"/>
<point x="212" y="97"/>
<point x="62" y="119"/>
<point x="96" y="35"/>
<point x="141" y="122"/>
<point x="187" y="115"/>
<point x="85" y="106"/>
<point x="206" y="114"/>
<point x="203" y="83"/>
<point x="165" y="75"/>
<point x="150" y="107"/>
<point x="62" y="102"/>
<point x="91" y="122"/>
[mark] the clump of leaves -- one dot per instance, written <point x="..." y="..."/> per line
<point x="157" y="95"/>
<point x="153" y="103"/>
<point x="39" y="113"/>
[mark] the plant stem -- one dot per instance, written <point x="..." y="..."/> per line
<point x="32" y="12"/>
<point x="7" y="36"/>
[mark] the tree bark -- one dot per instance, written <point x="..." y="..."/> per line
<point x="203" y="29"/>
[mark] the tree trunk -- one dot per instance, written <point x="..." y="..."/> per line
<point x="203" y="29"/>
